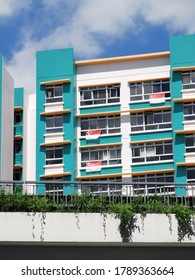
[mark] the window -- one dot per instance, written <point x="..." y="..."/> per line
<point x="17" y="146"/>
<point x="188" y="79"/>
<point x="190" y="143"/>
<point x="54" y="124"/>
<point x="100" y="95"/>
<point x="108" y="155"/>
<point x="156" y="183"/>
<point x="18" y="117"/>
<point x="142" y="90"/>
<point x="17" y="176"/>
<point x="190" y="174"/>
<point x="152" y="152"/>
<point x="108" y="125"/>
<point x="54" y="93"/>
<point x="151" y="120"/>
<point x="102" y="188"/>
<point x="54" y="188"/>
<point x="189" y="111"/>
<point x="54" y="155"/>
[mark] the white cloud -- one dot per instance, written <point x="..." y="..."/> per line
<point x="176" y="15"/>
<point x="90" y="25"/>
<point x="9" y="7"/>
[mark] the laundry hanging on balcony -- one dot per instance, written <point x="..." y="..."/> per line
<point x="93" y="166"/>
<point x="156" y="98"/>
<point x="93" y="134"/>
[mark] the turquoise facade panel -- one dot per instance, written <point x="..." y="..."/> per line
<point x="18" y="97"/>
<point x="103" y="109"/>
<point x="182" y="51"/>
<point x="151" y="135"/>
<point x="146" y="105"/>
<point x="56" y="65"/>
<point x="152" y="166"/>
<point x="101" y="140"/>
<point x="181" y="55"/>
<point x="103" y="171"/>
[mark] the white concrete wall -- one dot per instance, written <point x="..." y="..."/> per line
<point x="123" y="73"/>
<point x="31" y="137"/>
<point x="7" y="126"/>
<point x="91" y="227"/>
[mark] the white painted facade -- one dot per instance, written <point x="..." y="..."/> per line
<point x="30" y="137"/>
<point x="121" y="72"/>
<point x="7" y="105"/>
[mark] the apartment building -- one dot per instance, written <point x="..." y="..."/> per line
<point x="122" y="119"/>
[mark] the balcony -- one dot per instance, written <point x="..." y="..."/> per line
<point x="18" y="129"/>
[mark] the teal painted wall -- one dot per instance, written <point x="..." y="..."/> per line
<point x="154" y="166"/>
<point x="144" y="105"/>
<point x="182" y="54"/>
<point x="103" y="171"/>
<point x="101" y="140"/>
<point x="18" y="97"/>
<point x="182" y="51"/>
<point x="56" y="65"/>
<point x="111" y="108"/>
<point x="151" y="135"/>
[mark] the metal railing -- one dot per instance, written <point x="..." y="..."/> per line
<point x="115" y="192"/>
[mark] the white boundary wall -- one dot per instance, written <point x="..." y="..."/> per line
<point x="84" y="227"/>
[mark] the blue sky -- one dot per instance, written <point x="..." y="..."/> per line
<point x="94" y="28"/>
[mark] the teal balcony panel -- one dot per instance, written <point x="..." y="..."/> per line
<point x="151" y="135"/>
<point x="101" y="109"/>
<point x="147" y="105"/>
<point x="101" y="140"/>
<point x="104" y="171"/>
<point x="153" y="166"/>
<point x="18" y="130"/>
<point x="18" y="157"/>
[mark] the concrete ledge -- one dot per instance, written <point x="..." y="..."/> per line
<point x="86" y="228"/>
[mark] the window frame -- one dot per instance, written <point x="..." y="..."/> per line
<point x="190" y="168"/>
<point x="18" y="115"/>
<point x="153" y="188"/>
<point x="95" y="154"/>
<point x="143" y="150"/>
<point x="99" y="95"/>
<point x="107" y="130"/>
<point x="54" y="129"/>
<point x="152" y="126"/>
<point x="139" y="94"/>
<point x="191" y="107"/>
<point x="55" y="97"/>
<point x="190" y="149"/>
<point x="53" y="160"/>
<point x="191" y="83"/>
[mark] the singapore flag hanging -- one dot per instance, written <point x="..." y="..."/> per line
<point x="93" y="166"/>
<point x="93" y="134"/>
<point x="156" y="98"/>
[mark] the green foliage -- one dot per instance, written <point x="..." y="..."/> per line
<point x="183" y="215"/>
<point x="126" y="212"/>
<point x="127" y="226"/>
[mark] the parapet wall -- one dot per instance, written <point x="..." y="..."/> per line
<point x="85" y="227"/>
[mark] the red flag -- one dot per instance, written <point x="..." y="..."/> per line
<point x="156" y="98"/>
<point x="93" y="134"/>
<point x="93" y="166"/>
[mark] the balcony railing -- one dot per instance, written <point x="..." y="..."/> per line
<point x="115" y="192"/>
